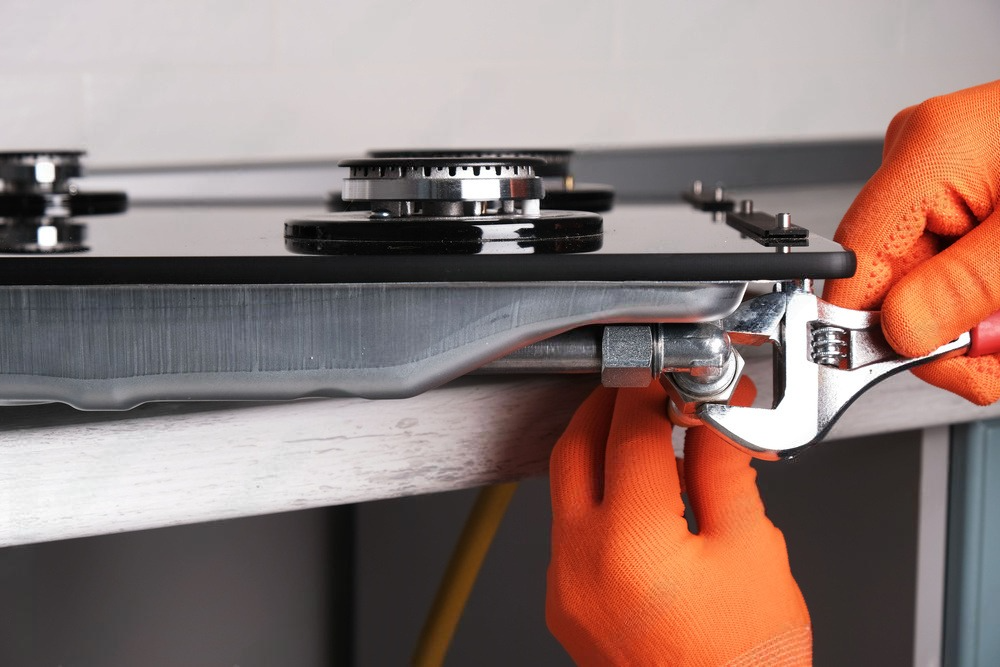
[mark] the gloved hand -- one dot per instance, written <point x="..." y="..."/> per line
<point x="628" y="583"/>
<point x="926" y="231"/>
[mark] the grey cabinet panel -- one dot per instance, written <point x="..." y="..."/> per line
<point x="972" y="615"/>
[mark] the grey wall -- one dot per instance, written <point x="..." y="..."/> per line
<point x="197" y="80"/>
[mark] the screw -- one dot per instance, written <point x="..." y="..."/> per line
<point x="718" y="193"/>
<point x="784" y="220"/>
<point x="746" y="206"/>
<point x="696" y="187"/>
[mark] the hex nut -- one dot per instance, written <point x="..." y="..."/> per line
<point x="627" y="356"/>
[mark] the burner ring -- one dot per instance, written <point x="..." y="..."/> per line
<point x="445" y="160"/>
<point x="453" y="187"/>
<point x="561" y="191"/>
<point x="451" y="190"/>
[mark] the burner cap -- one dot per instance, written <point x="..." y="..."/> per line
<point x="556" y="161"/>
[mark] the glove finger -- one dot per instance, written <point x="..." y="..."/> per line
<point x="931" y="179"/>
<point x="974" y="378"/>
<point x="721" y="485"/>
<point x="881" y="229"/>
<point x="639" y="467"/>
<point x="890" y="233"/>
<point x="947" y="294"/>
<point x="576" y="467"/>
<point x="895" y="128"/>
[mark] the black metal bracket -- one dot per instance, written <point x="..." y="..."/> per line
<point x="711" y="200"/>
<point x="767" y="229"/>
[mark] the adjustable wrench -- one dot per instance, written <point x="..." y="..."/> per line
<point x="824" y="358"/>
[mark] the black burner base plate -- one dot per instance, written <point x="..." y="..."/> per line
<point x="354" y="233"/>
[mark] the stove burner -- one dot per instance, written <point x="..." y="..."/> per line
<point x="445" y="187"/>
<point x="562" y="192"/>
<point x="37" y="200"/>
<point x="445" y="205"/>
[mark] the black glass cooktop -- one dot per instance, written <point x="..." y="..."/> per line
<point x="236" y="245"/>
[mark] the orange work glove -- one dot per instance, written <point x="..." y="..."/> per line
<point x="629" y="584"/>
<point x="926" y="230"/>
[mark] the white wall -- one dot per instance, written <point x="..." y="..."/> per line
<point x="206" y="80"/>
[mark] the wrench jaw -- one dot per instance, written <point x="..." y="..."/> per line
<point x="814" y="399"/>
<point x="796" y="419"/>
<point x="812" y="387"/>
<point x="768" y="434"/>
<point x="756" y="322"/>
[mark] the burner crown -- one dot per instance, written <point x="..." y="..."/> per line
<point x="444" y="186"/>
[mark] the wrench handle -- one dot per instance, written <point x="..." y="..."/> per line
<point x="985" y="337"/>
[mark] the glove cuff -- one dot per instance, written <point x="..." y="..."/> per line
<point x="789" y="649"/>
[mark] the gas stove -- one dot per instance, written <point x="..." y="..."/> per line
<point x="444" y="263"/>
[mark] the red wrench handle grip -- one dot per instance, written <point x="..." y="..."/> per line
<point x="985" y="337"/>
